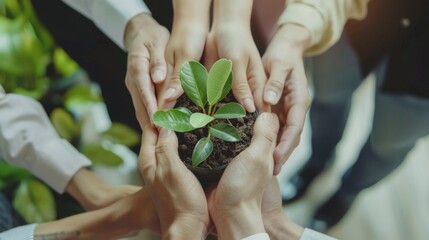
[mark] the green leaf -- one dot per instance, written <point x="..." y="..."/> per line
<point x="227" y="87"/>
<point x="217" y="79"/>
<point x="230" y="110"/>
<point x="34" y="202"/>
<point x="199" y="120"/>
<point x="193" y="78"/>
<point x="121" y="134"/>
<point x="64" y="123"/>
<point x="225" y="132"/>
<point x="63" y="63"/>
<point x="100" y="155"/>
<point x="184" y="110"/>
<point x="202" y="151"/>
<point x="173" y="119"/>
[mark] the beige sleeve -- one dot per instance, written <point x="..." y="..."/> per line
<point x="325" y="19"/>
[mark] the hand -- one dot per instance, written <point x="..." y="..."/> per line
<point x="276" y="223"/>
<point x="283" y="63"/>
<point x="188" y="37"/>
<point x="176" y="193"/>
<point x="145" y="41"/>
<point x="92" y="192"/>
<point x="124" y="218"/>
<point x="235" y="204"/>
<point x="231" y="38"/>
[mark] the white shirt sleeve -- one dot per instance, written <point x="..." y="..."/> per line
<point x="19" y="233"/>
<point x="28" y="140"/>
<point x="110" y="16"/>
<point x="258" y="236"/>
<point x="309" y="234"/>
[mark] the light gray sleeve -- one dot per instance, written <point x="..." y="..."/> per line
<point x="19" y="233"/>
<point x="313" y="235"/>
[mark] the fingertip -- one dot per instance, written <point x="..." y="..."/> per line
<point x="271" y="97"/>
<point x="158" y="76"/>
<point x="249" y="105"/>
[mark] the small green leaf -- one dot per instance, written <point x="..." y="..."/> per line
<point x="227" y="87"/>
<point x="225" y="132"/>
<point x="230" y="110"/>
<point x="184" y="110"/>
<point x="202" y="151"/>
<point x="64" y="123"/>
<point x="217" y="79"/>
<point x="121" y="134"/>
<point x="173" y="119"/>
<point x="199" y="120"/>
<point x="34" y="202"/>
<point x="99" y="155"/>
<point x="193" y="78"/>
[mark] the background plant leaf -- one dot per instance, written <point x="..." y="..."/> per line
<point x="199" y="120"/>
<point x="100" y="155"/>
<point x="121" y="134"/>
<point x="193" y="78"/>
<point x="64" y="123"/>
<point x="34" y="202"/>
<point x="227" y="87"/>
<point x="230" y="110"/>
<point x="225" y="132"/>
<point x="202" y="151"/>
<point x="218" y="76"/>
<point x="173" y="119"/>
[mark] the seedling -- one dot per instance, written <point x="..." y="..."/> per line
<point x="205" y="90"/>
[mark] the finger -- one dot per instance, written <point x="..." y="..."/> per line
<point x="147" y="157"/>
<point x="141" y="112"/>
<point x="138" y="73"/>
<point x="277" y="76"/>
<point x="257" y="81"/>
<point x="166" y="152"/>
<point x="240" y="87"/>
<point x="158" y="65"/>
<point x="265" y="132"/>
<point x="291" y="135"/>
<point x="171" y="89"/>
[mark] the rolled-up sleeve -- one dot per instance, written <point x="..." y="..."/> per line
<point x="28" y="140"/>
<point x="19" y="233"/>
<point x="325" y="19"/>
<point x="110" y="16"/>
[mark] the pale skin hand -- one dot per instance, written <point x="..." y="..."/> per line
<point x="188" y="37"/>
<point x="276" y="223"/>
<point x="287" y="86"/>
<point x="231" y="38"/>
<point x="92" y="192"/>
<point x="123" y="218"/>
<point x="235" y="204"/>
<point x="145" y="41"/>
<point x="176" y="193"/>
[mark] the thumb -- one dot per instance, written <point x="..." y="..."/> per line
<point x="265" y="132"/>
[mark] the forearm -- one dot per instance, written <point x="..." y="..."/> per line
<point x="194" y="11"/>
<point x="227" y="12"/>
<point x="280" y="228"/>
<point x="243" y="221"/>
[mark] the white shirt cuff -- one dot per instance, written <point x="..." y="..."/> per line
<point x="112" y="16"/>
<point x="309" y="234"/>
<point x="19" y="233"/>
<point x="258" y="236"/>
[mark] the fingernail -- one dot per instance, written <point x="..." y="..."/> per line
<point x="165" y="132"/>
<point x="169" y="93"/>
<point x="249" y="105"/>
<point x="158" y="75"/>
<point x="271" y="97"/>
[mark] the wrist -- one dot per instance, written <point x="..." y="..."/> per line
<point x="239" y="222"/>
<point x="86" y="194"/>
<point x="182" y="226"/>
<point x="296" y="36"/>
<point x="227" y="12"/>
<point x="280" y="227"/>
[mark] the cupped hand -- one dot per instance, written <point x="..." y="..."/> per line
<point x="176" y="193"/>
<point x="235" y="42"/>
<point x="145" y="41"/>
<point x="287" y="87"/>
<point x="235" y="204"/>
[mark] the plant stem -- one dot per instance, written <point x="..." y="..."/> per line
<point x="210" y="110"/>
<point x="229" y="122"/>
<point x="204" y="110"/>
<point x="214" y="109"/>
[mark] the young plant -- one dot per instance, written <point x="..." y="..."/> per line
<point x="204" y="89"/>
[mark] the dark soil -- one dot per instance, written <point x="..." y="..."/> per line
<point x="223" y="152"/>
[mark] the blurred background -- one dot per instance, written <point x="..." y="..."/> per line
<point x="33" y="64"/>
